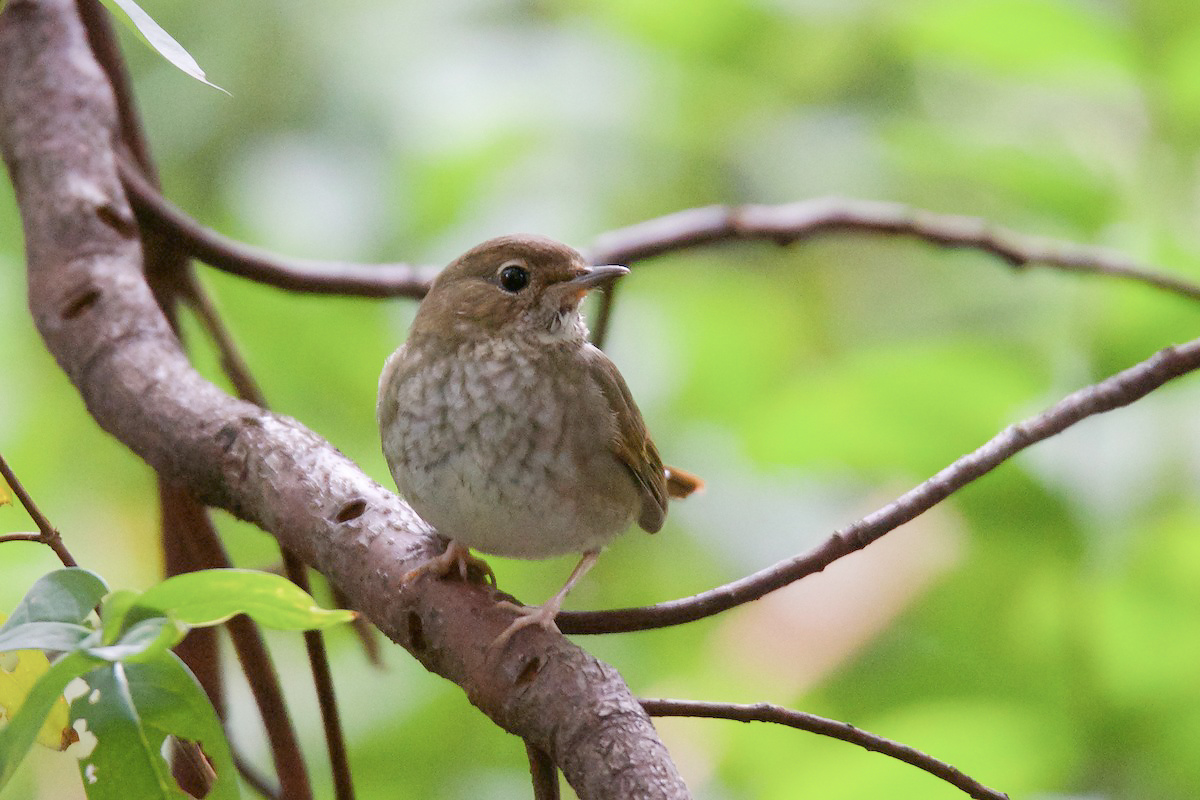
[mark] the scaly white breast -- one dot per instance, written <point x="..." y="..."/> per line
<point x="506" y="449"/>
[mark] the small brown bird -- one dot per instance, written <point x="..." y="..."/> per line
<point x="506" y="430"/>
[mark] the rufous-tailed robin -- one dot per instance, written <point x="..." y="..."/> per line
<point x="506" y="429"/>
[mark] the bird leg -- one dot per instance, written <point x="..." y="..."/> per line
<point x="455" y="555"/>
<point x="544" y="614"/>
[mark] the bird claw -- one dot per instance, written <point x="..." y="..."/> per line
<point x="542" y="616"/>
<point x="455" y="555"/>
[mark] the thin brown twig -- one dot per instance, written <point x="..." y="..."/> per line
<point x="293" y="274"/>
<point x="1115" y="391"/>
<point x="259" y="669"/>
<point x="766" y="712"/>
<point x="104" y="45"/>
<point x="318" y="661"/>
<point x="182" y="521"/>
<point x="543" y="773"/>
<point x="255" y="779"/>
<point x="48" y="534"/>
<point x="22" y="537"/>
<point x="604" y="314"/>
<point x="367" y="634"/>
<point x="784" y="224"/>
<point x="792" y="222"/>
<point x="263" y="680"/>
<point x="232" y="363"/>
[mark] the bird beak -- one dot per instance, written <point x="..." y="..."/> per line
<point x="592" y="277"/>
<point x="569" y="293"/>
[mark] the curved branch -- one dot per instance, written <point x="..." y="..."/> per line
<point x="97" y="316"/>
<point x="293" y="274"/>
<point x="788" y="223"/>
<point x="1118" y="390"/>
<point x="696" y="227"/>
<point x="792" y="222"/>
<point x="766" y="712"/>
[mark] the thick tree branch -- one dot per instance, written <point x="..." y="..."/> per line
<point x="765" y="712"/>
<point x="1116" y="391"/>
<point x="92" y="306"/>
<point x="189" y="538"/>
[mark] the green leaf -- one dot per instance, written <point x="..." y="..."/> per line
<point x="212" y="596"/>
<point x="153" y="35"/>
<point x="65" y="595"/>
<point x="53" y="636"/>
<point x="144" y="640"/>
<point x="131" y="711"/>
<point x="114" y="610"/>
<point x="19" y="734"/>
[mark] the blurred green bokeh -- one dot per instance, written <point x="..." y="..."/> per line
<point x="1038" y="630"/>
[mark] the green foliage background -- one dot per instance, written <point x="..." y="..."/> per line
<point x="1038" y="631"/>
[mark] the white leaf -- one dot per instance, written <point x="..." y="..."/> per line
<point x="152" y="34"/>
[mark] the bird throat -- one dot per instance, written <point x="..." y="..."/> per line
<point x="567" y="323"/>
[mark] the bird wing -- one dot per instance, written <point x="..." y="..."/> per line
<point x="631" y="444"/>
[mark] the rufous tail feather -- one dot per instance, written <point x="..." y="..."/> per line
<point x="681" y="483"/>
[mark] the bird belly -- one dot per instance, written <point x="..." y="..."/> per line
<point x="503" y="468"/>
<point x="501" y="518"/>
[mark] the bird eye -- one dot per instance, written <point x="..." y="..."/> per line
<point x="514" y="278"/>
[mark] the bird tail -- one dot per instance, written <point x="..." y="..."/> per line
<point x="681" y="483"/>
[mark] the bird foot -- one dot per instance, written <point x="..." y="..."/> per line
<point x="542" y="616"/>
<point x="454" y="556"/>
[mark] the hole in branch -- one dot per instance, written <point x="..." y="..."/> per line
<point x="226" y="437"/>
<point x="416" y="631"/>
<point x="351" y="510"/>
<point x="80" y="303"/>
<point x="528" y="672"/>
<point x="116" y="218"/>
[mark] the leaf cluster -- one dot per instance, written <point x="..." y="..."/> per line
<point x="138" y="692"/>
